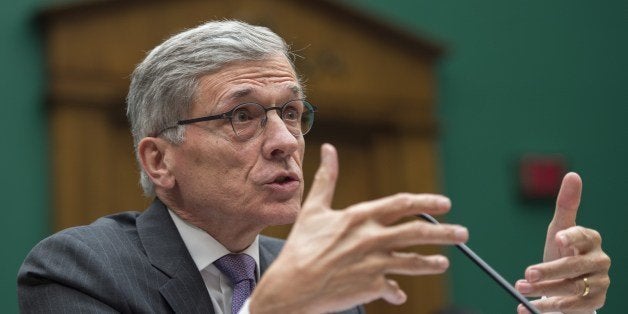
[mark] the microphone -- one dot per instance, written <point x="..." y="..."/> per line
<point x="488" y="270"/>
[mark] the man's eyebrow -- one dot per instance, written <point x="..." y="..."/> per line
<point x="297" y="90"/>
<point x="240" y="93"/>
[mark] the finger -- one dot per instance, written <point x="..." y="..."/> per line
<point x="413" y="264"/>
<point x="566" y="304"/>
<point x="324" y="185"/>
<point x="390" y="209"/>
<point x="582" y="240"/>
<point x="419" y="233"/>
<point x="561" y="287"/>
<point x="567" y="267"/>
<point x="392" y="293"/>
<point x="567" y="202"/>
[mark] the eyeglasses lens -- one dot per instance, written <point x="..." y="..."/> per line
<point x="249" y="119"/>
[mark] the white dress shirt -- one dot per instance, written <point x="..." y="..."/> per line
<point x="205" y="250"/>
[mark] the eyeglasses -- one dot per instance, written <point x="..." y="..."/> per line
<point x="248" y="120"/>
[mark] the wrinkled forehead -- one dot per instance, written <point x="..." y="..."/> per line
<point x="268" y="80"/>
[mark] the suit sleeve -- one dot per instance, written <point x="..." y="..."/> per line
<point x="64" y="274"/>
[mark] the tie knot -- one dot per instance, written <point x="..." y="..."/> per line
<point x="237" y="267"/>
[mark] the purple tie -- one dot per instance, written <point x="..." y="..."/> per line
<point x="240" y="268"/>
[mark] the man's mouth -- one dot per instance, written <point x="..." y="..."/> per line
<point x="284" y="179"/>
<point x="284" y="185"/>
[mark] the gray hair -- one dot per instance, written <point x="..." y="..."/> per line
<point x="163" y="86"/>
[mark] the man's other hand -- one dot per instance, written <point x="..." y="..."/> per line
<point x="572" y="253"/>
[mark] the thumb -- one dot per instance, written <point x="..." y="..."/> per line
<point x="324" y="185"/>
<point x="567" y="203"/>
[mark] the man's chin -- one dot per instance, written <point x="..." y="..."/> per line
<point x="288" y="219"/>
<point x="282" y="214"/>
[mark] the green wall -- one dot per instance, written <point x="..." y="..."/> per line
<point x="24" y="160"/>
<point x="526" y="76"/>
<point x="519" y="76"/>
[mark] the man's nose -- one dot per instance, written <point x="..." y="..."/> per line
<point x="279" y="141"/>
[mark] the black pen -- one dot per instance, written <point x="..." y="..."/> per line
<point x="489" y="270"/>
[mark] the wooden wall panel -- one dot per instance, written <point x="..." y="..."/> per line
<point x="94" y="172"/>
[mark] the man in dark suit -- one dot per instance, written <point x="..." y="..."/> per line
<point x="218" y="116"/>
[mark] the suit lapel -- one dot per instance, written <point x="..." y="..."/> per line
<point x="185" y="291"/>
<point x="265" y="258"/>
<point x="269" y="248"/>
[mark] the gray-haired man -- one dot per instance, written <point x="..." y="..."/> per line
<point x="218" y="116"/>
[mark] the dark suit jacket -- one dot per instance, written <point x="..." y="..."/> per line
<point x="129" y="262"/>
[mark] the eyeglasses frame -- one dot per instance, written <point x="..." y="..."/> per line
<point x="229" y="115"/>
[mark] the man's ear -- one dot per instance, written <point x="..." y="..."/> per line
<point x="152" y="153"/>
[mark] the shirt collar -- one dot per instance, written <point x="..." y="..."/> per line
<point x="203" y="248"/>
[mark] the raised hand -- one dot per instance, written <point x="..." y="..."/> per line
<point x="336" y="259"/>
<point x="574" y="272"/>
